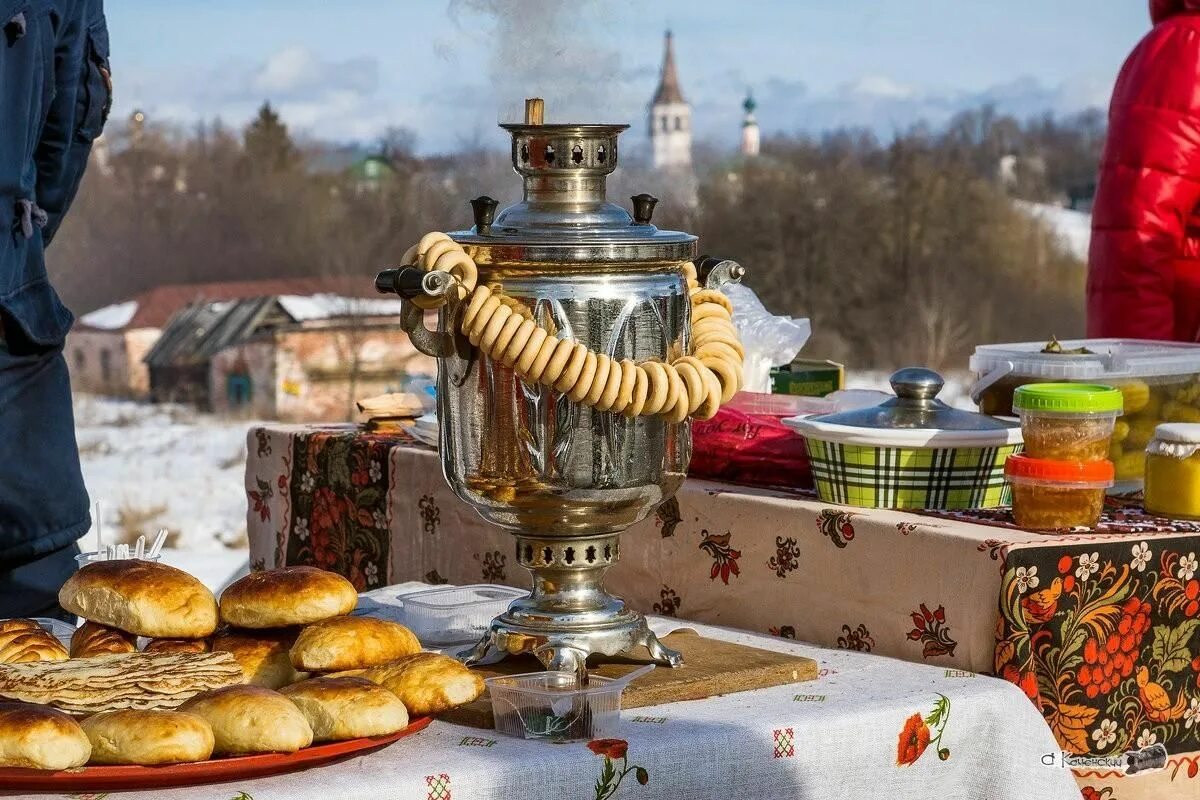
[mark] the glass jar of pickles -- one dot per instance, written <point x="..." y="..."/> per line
<point x="1173" y="471"/>
<point x="1067" y="421"/>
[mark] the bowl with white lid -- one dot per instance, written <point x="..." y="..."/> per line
<point x="911" y="451"/>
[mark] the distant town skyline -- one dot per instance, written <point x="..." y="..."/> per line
<point x="450" y="70"/>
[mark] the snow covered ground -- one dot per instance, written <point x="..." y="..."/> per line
<point x="1072" y="228"/>
<point x="170" y="467"/>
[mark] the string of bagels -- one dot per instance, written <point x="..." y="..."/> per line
<point x="504" y="330"/>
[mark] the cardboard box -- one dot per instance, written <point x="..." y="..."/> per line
<point x="808" y="377"/>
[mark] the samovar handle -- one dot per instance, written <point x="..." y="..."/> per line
<point x="410" y="282"/>
<point x="715" y="272"/>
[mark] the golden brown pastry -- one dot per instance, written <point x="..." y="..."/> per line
<point x="264" y="656"/>
<point x="141" y="597"/>
<point x="347" y="708"/>
<point x="18" y="624"/>
<point x="350" y="643"/>
<point x="93" y="639"/>
<point x="129" y="680"/>
<point x="177" y="646"/>
<point x="251" y="719"/>
<point x="26" y="646"/>
<point x="288" y="596"/>
<point x="37" y="737"/>
<point x="148" y="737"/>
<point x="427" y="683"/>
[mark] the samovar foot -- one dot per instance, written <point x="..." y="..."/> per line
<point x="477" y="653"/>
<point x="659" y="652"/>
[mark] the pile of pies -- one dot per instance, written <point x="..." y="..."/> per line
<point x="277" y="665"/>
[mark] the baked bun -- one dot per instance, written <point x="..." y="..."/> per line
<point x="148" y="737"/>
<point x="177" y="646"/>
<point x="251" y="719"/>
<point x="350" y="643"/>
<point x="93" y="639"/>
<point x="288" y="596"/>
<point x="263" y="655"/>
<point x="347" y="708"/>
<point x="37" y="737"/>
<point x="427" y="683"/>
<point x="141" y="597"/>
<point x="24" y="645"/>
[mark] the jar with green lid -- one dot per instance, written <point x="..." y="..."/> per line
<point x="1067" y="421"/>
<point x="1173" y="471"/>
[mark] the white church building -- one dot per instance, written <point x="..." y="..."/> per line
<point x="670" y="119"/>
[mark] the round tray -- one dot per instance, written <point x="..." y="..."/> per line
<point x="221" y="769"/>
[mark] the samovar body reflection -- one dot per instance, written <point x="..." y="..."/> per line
<point x="563" y="478"/>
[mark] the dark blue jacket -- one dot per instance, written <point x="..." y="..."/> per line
<point x="54" y="97"/>
<point x="55" y="93"/>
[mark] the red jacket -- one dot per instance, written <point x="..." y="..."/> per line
<point x="1144" y="261"/>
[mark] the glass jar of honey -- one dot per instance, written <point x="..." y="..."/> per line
<point x="1173" y="471"/>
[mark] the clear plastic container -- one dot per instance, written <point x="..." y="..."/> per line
<point x="1160" y="382"/>
<point x="1053" y="495"/>
<point x="1067" y="421"/>
<point x="102" y="555"/>
<point x="553" y="706"/>
<point x="1173" y="472"/>
<point x="456" y="614"/>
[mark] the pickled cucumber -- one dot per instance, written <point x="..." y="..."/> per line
<point x="1136" y="396"/>
<point x="1120" y="431"/>
<point x="1131" y="466"/>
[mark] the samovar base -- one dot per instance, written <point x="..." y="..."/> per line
<point x="568" y="650"/>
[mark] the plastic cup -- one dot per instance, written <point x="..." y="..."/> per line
<point x="1067" y="421"/>
<point x="1053" y="495"/>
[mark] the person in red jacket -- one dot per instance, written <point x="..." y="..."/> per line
<point x="1144" y="261"/>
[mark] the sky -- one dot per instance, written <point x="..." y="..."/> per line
<point x="449" y="70"/>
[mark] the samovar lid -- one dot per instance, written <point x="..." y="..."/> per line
<point x="565" y="216"/>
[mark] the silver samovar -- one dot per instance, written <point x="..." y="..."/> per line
<point x="563" y="478"/>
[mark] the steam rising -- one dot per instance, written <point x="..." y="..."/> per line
<point x="554" y="49"/>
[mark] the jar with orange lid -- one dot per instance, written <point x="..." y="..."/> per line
<point x="1051" y="495"/>
<point x="1173" y="471"/>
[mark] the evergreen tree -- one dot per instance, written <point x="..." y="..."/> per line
<point x="267" y="143"/>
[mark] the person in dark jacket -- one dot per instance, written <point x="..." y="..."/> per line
<point x="55" y="93"/>
<point x="1144" y="261"/>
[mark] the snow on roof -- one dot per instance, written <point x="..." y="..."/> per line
<point x="111" y="318"/>
<point x="1072" y="228"/>
<point x="326" y="306"/>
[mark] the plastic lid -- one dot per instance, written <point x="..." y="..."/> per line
<point x="1107" y="359"/>
<point x="1181" y="432"/>
<point x="1044" y="469"/>
<point x="1077" y="398"/>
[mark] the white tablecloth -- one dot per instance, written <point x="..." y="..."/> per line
<point x="834" y="737"/>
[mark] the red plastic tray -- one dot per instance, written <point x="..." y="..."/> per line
<point x="221" y="769"/>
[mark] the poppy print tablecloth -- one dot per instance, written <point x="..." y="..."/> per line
<point x="1100" y="630"/>
<point x="866" y="727"/>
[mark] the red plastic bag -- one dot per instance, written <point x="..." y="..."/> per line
<point x="747" y="443"/>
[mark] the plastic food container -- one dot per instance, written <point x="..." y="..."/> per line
<point x="1067" y="421"/>
<point x="1160" y="382"/>
<point x="1050" y="495"/>
<point x="456" y="614"/>
<point x="84" y="559"/>
<point x="553" y="706"/>
<point x="1173" y="471"/>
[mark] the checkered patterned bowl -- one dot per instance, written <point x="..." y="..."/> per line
<point x="909" y="469"/>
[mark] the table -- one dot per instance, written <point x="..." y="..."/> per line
<point x="837" y="736"/>
<point x="1090" y="626"/>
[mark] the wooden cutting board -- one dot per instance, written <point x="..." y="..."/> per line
<point x="710" y="667"/>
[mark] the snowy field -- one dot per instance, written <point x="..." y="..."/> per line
<point x="154" y="467"/>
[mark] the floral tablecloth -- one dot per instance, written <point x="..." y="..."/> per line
<point x="1100" y="630"/>
<point x="867" y="727"/>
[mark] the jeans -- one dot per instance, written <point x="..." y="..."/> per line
<point x="31" y="589"/>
